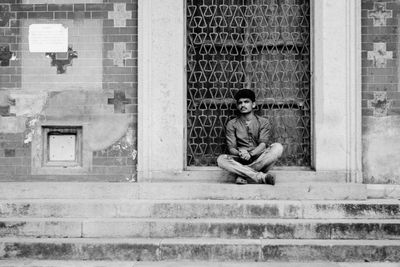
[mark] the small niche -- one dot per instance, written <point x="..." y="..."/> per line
<point x="62" y="146"/>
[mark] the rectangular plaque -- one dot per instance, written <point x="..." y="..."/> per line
<point x="48" y="38"/>
<point x="62" y="147"/>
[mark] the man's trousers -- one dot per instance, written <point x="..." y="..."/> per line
<point x="256" y="169"/>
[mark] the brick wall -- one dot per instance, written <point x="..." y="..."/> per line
<point x="380" y="43"/>
<point x="380" y="91"/>
<point x="96" y="87"/>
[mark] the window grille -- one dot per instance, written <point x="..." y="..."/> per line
<point x="263" y="45"/>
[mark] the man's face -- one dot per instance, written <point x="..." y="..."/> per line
<point x="245" y="105"/>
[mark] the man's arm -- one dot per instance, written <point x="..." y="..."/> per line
<point x="263" y="139"/>
<point x="258" y="150"/>
<point x="231" y="139"/>
<point x="234" y="151"/>
<point x="232" y="145"/>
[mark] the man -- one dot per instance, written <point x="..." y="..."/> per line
<point x="247" y="139"/>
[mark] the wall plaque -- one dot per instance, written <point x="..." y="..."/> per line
<point x="48" y="38"/>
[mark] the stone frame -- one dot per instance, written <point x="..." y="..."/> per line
<point x="48" y="131"/>
<point x="336" y="124"/>
<point x="39" y="164"/>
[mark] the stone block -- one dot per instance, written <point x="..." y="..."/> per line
<point x="137" y="209"/>
<point x="359" y="230"/>
<point x="79" y="249"/>
<point x="332" y="210"/>
<point x="69" y="190"/>
<point x="60" y="209"/>
<point x="382" y="191"/>
<point x="40" y="228"/>
<point x="215" y="250"/>
<point x="116" y="229"/>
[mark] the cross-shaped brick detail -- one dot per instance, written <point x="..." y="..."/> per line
<point x="62" y="60"/>
<point x="6" y="55"/>
<point x="379" y="56"/>
<point x="119" y="54"/>
<point x="119" y="101"/>
<point x="5" y="15"/>
<point x="120" y="15"/>
<point x="380" y="104"/>
<point x="379" y="14"/>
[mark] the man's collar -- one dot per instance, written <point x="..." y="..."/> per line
<point x="241" y="117"/>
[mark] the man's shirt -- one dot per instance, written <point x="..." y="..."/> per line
<point x="240" y="134"/>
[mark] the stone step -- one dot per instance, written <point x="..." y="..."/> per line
<point x="38" y="263"/>
<point x="200" y="249"/>
<point x="283" y="191"/>
<point x="282" y="175"/>
<point x="137" y="208"/>
<point x="202" y="228"/>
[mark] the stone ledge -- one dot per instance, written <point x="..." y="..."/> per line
<point x="284" y="191"/>
<point x="217" y="175"/>
<point x="386" y="191"/>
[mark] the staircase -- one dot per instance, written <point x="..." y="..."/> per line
<point x="169" y="224"/>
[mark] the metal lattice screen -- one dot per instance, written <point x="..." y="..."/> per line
<point x="263" y="45"/>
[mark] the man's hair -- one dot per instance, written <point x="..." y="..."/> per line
<point x="245" y="93"/>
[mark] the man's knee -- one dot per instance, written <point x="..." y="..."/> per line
<point x="277" y="149"/>
<point x="222" y="159"/>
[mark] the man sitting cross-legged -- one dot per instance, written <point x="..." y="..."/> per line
<point x="247" y="138"/>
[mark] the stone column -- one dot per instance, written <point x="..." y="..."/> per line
<point x="336" y="87"/>
<point x="162" y="97"/>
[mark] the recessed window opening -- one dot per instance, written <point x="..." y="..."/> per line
<point x="62" y="146"/>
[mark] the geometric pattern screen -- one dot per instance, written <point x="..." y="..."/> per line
<point x="262" y="45"/>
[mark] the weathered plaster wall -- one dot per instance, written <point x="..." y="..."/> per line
<point x="381" y="91"/>
<point x="381" y="149"/>
<point x="96" y="88"/>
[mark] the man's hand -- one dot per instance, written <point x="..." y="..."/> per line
<point x="244" y="154"/>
